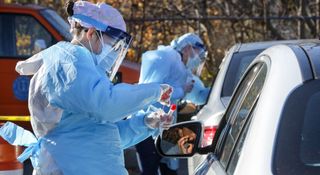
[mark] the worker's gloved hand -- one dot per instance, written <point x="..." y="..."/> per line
<point x="188" y="87"/>
<point x="166" y="92"/>
<point x="158" y="119"/>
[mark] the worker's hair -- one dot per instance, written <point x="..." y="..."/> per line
<point x="69" y="7"/>
<point x="77" y="28"/>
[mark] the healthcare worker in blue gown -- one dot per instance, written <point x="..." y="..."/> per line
<point x="76" y="112"/>
<point x="199" y="93"/>
<point x="172" y="65"/>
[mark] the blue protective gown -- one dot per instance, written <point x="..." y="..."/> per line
<point x="164" y="65"/>
<point x="199" y="92"/>
<point x="77" y="114"/>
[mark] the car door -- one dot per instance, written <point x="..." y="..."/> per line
<point x="235" y="123"/>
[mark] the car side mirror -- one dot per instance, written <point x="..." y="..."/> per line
<point x="180" y="140"/>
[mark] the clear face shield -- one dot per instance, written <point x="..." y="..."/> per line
<point x="114" y="49"/>
<point x="203" y="56"/>
<point x="197" y="58"/>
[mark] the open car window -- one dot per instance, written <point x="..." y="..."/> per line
<point x="239" y="63"/>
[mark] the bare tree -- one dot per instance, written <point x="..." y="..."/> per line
<point x="220" y="23"/>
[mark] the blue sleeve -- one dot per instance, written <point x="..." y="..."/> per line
<point x="133" y="130"/>
<point x="177" y="93"/>
<point x="156" y="68"/>
<point x="199" y="93"/>
<point x="78" y="87"/>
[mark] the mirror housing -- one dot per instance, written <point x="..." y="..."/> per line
<point x="180" y="140"/>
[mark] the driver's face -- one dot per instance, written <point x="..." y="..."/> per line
<point x="188" y="132"/>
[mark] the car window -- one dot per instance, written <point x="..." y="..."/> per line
<point x="238" y="119"/>
<point x="24" y="35"/>
<point x="297" y="147"/>
<point x="7" y="35"/>
<point x="237" y="151"/>
<point x="310" y="135"/>
<point x="238" y="64"/>
<point x="233" y="107"/>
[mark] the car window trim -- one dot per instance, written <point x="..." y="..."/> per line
<point x="243" y="95"/>
<point x="230" y="121"/>
<point x="247" y="91"/>
<point x="304" y="62"/>
<point x="246" y="124"/>
<point x="233" y="117"/>
<point x="220" y="133"/>
<point x="225" y="126"/>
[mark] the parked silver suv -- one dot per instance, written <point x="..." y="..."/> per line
<point x="232" y="68"/>
<point x="271" y="123"/>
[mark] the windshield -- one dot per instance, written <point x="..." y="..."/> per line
<point x="58" y="23"/>
<point x="237" y="67"/>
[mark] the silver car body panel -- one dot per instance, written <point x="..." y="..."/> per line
<point x="283" y="77"/>
<point x="213" y="111"/>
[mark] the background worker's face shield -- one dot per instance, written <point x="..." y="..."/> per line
<point x="202" y="51"/>
<point x="197" y="57"/>
<point x="115" y="44"/>
<point x="198" y="70"/>
<point x="203" y="56"/>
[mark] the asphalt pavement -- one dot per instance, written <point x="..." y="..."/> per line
<point x="132" y="165"/>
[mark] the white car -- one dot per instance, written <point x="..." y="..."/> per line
<point x="232" y="68"/>
<point x="271" y="125"/>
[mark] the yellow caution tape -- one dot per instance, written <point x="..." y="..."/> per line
<point x="15" y="118"/>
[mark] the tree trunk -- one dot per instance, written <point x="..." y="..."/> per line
<point x="265" y="15"/>
<point x="301" y="11"/>
<point x="317" y="20"/>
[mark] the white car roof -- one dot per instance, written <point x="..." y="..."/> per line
<point x="265" y="44"/>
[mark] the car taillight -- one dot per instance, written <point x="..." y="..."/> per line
<point x="208" y="135"/>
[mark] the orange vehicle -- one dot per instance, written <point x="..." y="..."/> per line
<point x="25" y="30"/>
